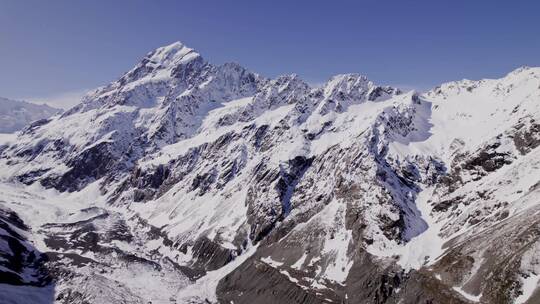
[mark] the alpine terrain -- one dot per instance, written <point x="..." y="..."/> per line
<point x="15" y="115"/>
<point x="188" y="182"/>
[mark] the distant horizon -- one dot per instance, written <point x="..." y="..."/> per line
<point x="54" y="52"/>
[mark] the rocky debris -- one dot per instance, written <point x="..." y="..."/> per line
<point x="496" y="254"/>
<point x="261" y="283"/>
<point x="422" y="287"/>
<point x="208" y="255"/>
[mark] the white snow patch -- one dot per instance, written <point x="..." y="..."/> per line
<point x="530" y="284"/>
<point x="7" y="138"/>
<point x="298" y="264"/>
<point x="268" y="260"/>
<point x="421" y="250"/>
<point x="288" y="276"/>
<point x="467" y="295"/>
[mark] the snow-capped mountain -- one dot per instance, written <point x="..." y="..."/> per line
<point x="15" y="115"/>
<point x="187" y="182"/>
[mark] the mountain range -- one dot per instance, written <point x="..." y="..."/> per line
<point x="189" y="182"/>
<point x="14" y="115"/>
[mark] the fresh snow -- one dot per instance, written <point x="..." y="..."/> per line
<point x="467" y="295"/>
<point x="530" y="278"/>
<point x="288" y="275"/>
<point x="530" y="284"/>
<point x="15" y="115"/>
<point x="7" y="138"/>
<point x="269" y="261"/>
<point x="423" y="249"/>
<point x="473" y="111"/>
<point x="298" y="264"/>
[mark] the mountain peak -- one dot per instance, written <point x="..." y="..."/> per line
<point x="354" y="86"/>
<point x="173" y="60"/>
<point x="175" y="45"/>
<point x="345" y="83"/>
<point x="172" y="54"/>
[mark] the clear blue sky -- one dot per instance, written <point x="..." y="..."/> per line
<point x="53" y="47"/>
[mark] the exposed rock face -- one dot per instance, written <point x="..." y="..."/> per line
<point x="188" y="182"/>
<point x="20" y="263"/>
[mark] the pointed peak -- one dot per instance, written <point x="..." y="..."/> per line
<point x="170" y="48"/>
<point x="345" y="84"/>
<point x="176" y="44"/>
<point x="234" y="68"/>
<point x="290" y="80"/>
<point x="173" y="53"/>
<point x="287" y="85"/>
<point x="174" y="57"/>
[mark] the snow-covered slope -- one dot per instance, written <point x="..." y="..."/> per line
<point x="189" y="182"/>
<point x="15" y="115"/>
